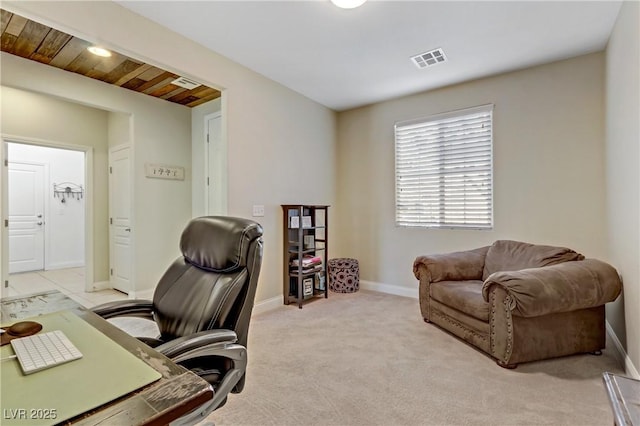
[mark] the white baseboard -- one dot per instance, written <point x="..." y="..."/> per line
<point x="389" y="289"/>
<point x="101" y="285"/>
<point x="276" y="302"/>
<point x="267" y="305"/>
<point x="142" y="294"/>
<point x="65" y="265"/>
<point x="621" y="355"/>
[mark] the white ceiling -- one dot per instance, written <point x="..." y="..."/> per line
<point x="349" y="58"/>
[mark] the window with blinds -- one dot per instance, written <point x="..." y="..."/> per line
<point x="444" y="170"/>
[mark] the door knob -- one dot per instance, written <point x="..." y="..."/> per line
<point x="39" y="223"/>
<point x="127" y="229"/>
<point x="39" y="215"/>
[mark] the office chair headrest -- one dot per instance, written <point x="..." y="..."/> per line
<point x="218" y="243"/>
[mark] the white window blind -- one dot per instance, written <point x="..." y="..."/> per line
<point x="444" y="170"/>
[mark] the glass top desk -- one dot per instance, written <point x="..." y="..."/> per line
<point x="176" y="393"/>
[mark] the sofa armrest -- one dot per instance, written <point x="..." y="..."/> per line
<point x="564" y="287"/>
<point x="461" y="265"/>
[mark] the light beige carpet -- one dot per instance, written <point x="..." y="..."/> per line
<point x="369" y="359"/>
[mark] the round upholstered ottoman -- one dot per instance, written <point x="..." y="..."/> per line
<point x="344" y="275"/>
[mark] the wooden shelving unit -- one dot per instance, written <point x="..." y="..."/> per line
<point x="305" y="244"/>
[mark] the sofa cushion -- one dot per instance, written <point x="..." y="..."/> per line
<point x="507" y="255"/>
<point x="464" y="296"/>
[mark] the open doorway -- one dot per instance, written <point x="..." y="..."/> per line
<point x="46" y="208"/>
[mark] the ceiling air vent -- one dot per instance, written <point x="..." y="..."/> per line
<point x="186" y="83"/>
<point x="430" y="58"/>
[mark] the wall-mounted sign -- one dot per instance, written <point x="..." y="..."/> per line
<point x="162" y="171"/>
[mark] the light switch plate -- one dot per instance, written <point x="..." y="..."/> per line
<point x="258" y="210"/>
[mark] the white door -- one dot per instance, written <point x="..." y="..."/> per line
<point x="120" y="219"/>
<point x="26" y="217"/>
<point x="216" y="167"/>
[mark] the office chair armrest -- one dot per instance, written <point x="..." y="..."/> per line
<point x="195" y="345"/>
<point x="210" y="343"/>
<point x="125" y="308"/>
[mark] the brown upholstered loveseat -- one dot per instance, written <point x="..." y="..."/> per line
<point x="519" y="302"/>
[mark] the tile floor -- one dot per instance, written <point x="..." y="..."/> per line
<point x="69" y="281"/>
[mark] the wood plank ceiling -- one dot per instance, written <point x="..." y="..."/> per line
<point x="28" y="39"/>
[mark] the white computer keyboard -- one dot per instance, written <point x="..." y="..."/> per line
<point x="44" y="350"/>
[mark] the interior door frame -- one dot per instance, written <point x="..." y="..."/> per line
<point x="88" y="205"/>
<point x="222" y="163"/>
<point x="111" y="150"/>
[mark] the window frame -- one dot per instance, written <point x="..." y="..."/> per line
<point x="442" y="223"/>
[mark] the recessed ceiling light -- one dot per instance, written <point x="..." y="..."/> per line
<point x="99" y="51"/>
<point x="348" y="4"/>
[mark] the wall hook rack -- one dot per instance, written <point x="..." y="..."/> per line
<point x="66" y="190"/>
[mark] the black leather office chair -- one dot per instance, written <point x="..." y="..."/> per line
<point x="203" y="302"/>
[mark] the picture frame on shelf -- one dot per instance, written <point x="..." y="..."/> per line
<point x="295" y="222"/>
<point x="306" y="221"/>
<point x="309" y="241"/>
<point x="307" y="286"/>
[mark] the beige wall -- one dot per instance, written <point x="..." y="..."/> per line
<point x="623" y="176"/>
<point x="548" y="169"/>
<point x="161" y="133"/>
<point x="35" y="116"/>
<point x="281" y="145"/>
<point x="119" y="129"/>
<point x="280" y="151"/>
